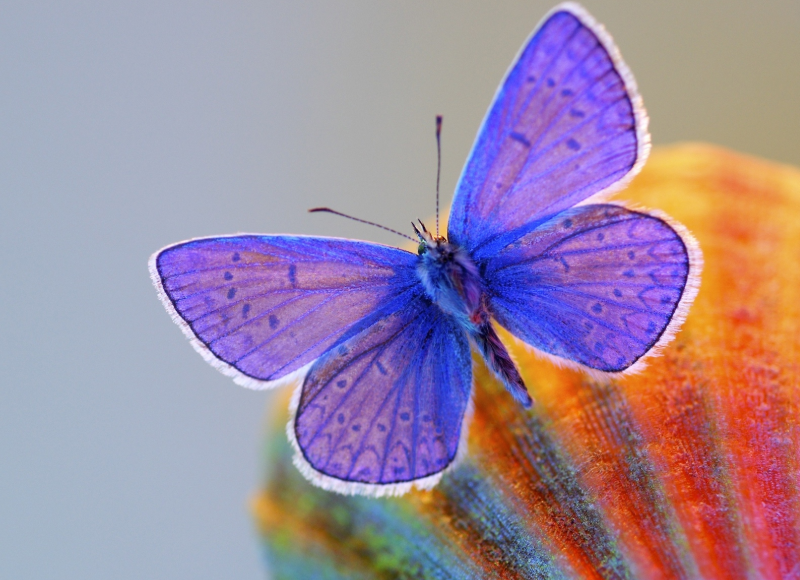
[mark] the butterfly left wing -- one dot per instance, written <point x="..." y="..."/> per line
<point x="600" y="285"/>
<point x="260" y="308"/>
<point x="384" y="411"/>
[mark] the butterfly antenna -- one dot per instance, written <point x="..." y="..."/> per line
<point x="438" y="166"/>
<point x="329" y="210"/>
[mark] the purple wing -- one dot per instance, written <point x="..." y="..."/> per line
<point x="386" y="408"/>
<point x="567" y="123"/>
<point x="260" y="307"/>
<point x="598" y="284"/>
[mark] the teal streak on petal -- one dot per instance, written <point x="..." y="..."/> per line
<point x="352" y="536"/>
<point x="481" y="510"/>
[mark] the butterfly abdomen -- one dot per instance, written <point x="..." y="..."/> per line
<point x="499" y="361"/>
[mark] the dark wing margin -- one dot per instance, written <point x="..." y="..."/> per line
<point x="261" y="309"/>
<point x="599" y="285"/>
<point x="566" y="124"/>
<point x="385" y="411"/>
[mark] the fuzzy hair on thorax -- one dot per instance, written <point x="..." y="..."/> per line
<point x="450" y="278"/>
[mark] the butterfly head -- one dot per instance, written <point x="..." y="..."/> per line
<point x="428" y="242"/>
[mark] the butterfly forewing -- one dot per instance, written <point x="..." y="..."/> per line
<point x="269" y="305"/>
<point x="598" y="285"/>
<point x="565" y="125"/>
<point x="386" y="407"/>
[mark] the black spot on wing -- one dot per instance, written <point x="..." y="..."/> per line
<point x="520" y="138"/>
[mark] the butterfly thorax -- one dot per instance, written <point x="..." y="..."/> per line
<point x="450" y="278"/>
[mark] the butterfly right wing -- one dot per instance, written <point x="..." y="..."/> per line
<point x="384" y="411"/>
<point x="567" y="124"/>
<point x="260" y="308"/>
<point x="599" y="285"/>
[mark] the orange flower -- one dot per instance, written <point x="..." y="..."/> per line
<point x="689" y="469"/>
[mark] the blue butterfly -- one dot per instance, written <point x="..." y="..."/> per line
<point x="378" y="338"/>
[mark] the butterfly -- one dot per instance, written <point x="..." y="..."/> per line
<point x="379" y="339"/>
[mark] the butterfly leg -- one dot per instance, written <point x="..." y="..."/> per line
<point x="499" y="360"/>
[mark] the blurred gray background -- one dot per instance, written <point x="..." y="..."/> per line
<point x="129" y="125"/>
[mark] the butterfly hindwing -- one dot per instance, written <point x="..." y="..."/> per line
<point x="599" y="285"/>
<point x="261" y="307"/>
<point x="386" y="407"/>
<point x="566" y="124"/>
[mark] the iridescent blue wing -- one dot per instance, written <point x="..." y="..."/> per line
<point x="567" y="123"/>
<point x="384" y="410"/>
<point x="600" y="285"/>
<point x="261" y="307"/>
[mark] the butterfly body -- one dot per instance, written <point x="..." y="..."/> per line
<point x="452" y="280"/>
<point x="378" y="339"/>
